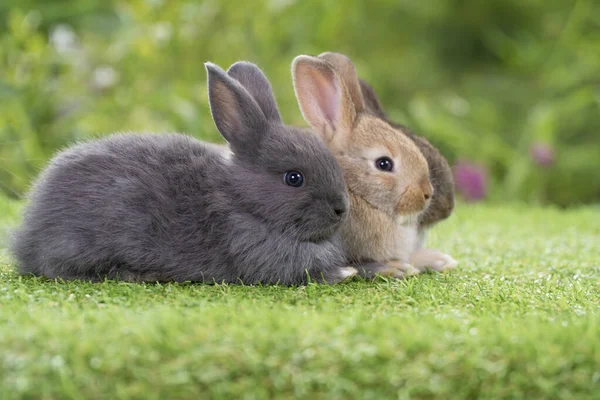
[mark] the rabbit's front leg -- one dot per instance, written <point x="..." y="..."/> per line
<point x="424" y="259"/>
<point x="394" y="268"/>
<point x="336" y="276"/>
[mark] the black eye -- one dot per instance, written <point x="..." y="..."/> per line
<point x="293" y="178"/>
<point x="384" y="164"/>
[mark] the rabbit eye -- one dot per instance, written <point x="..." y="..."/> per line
<point x="384" y="164"/>
<point x="293" y="178"/>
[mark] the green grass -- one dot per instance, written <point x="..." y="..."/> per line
<point x="519" y="318"/>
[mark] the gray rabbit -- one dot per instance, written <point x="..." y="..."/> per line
<point x="148" y="207"/>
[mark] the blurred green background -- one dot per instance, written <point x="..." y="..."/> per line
<point x="508" y="89"/>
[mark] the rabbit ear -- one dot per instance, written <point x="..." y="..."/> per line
<point x="257" y="84"/>
<point x="345" y="69"/>
<point x="324" y="100"/>
<point x="235" y="112"/>
<point x="372" y="103"/>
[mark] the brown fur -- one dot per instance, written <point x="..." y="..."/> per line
<point x="442" y="202"/>
<point x="384" y="206"/>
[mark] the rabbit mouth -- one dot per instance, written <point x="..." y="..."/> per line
<point x="409" y="205"/>
<point x="409" y="210"/>
<point x="407" y="215"/>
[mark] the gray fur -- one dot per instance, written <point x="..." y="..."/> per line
<point x="258" y="86"/>
<point x="149" y="207"/>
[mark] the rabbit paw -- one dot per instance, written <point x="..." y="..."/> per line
<point x="393" y="269"/>
<point x="347" y="273"/>
<point x="403" y="269"/>
<point x="424" y="259"/>
<point x="335" y="276"/>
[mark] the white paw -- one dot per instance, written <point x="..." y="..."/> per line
<point x="348" y="272"/>
<point x="433" y="259"/>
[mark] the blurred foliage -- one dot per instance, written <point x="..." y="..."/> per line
<point x="484" y="81"/>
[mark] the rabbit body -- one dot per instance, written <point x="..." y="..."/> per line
<point x="442" y="202"/>
<point x="149" y="207"/>
<point x="386" y="174"/>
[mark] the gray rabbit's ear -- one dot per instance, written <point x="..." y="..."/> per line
<point x="372" y="102"/>
<point x="347" y="72"/>
<point x="259" y="87"/>
<point x="235" y="112"/>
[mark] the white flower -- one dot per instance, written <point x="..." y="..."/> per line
<point x="162" y="31"/>
<point x="104" y="77"/>
<point x="64" y="39"/>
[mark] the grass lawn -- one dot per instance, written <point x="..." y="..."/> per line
<point x="519" y="318"/>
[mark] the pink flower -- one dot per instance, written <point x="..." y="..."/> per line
<point x="542" y="154"/>
<point x="471" y="180"/>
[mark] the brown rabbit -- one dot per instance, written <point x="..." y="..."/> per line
<point x="387" y="174"/>
<point x="440" y="173"/>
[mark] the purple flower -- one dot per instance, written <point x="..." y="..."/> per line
<point x="471" y="180"/>
<point x="542" y="154"/>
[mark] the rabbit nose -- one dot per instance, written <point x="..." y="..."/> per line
<point x="339" y="207"/>
<point x="427" y="190"/>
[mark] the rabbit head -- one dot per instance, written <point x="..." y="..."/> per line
<point x="281" y="175"/>
<point x="440" y="173"/>
<point x="382" y="167"/>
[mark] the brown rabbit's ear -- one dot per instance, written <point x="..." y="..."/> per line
<point x="347" y="72"/>
<point x="372" y="102"/>
<point x="323" y="99"/>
